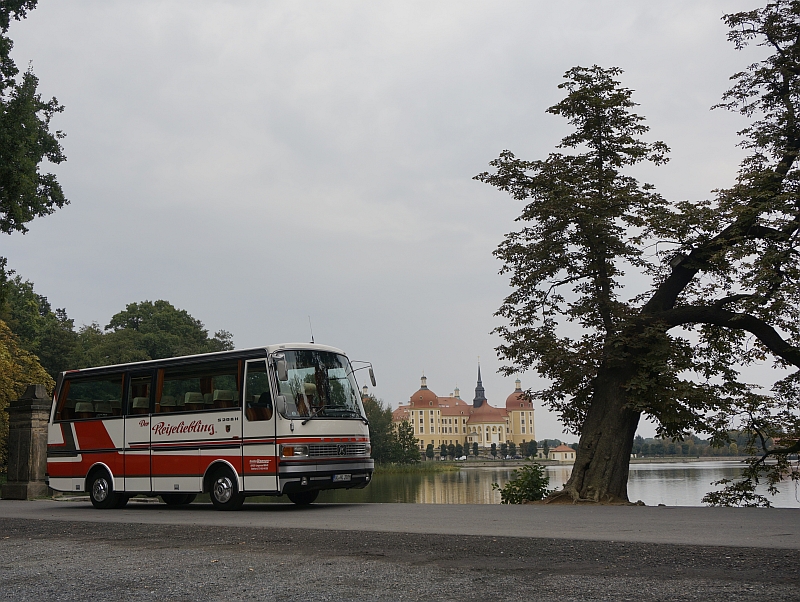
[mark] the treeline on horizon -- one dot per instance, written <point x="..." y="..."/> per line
<point x="38" y="342"/>
<point x="144" y="330"/>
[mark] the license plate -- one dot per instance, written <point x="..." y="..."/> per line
<point x="341" y="477"/>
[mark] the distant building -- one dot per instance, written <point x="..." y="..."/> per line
<point x="450" y="420"/>
<point x="562" y="453"/>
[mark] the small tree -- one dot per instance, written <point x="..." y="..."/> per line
<point x="494" y="450"/>
<point x="443" y="451"/>
<point x="451" y="451"/>
<point x="429" y="453"/>
<point x="503" y="450"/>
<point x="408" y="443"/>
<point x="475" y="448"/>
<point x="459" y="450"/>
<point x="546" y="450"/>
<point x="512" y="448"/>
<point x="533" y="449"/>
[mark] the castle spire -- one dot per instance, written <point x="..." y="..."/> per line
<point x="480" y="393"/>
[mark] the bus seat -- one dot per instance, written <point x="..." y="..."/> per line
<point x="223" y="398"/>
<point x="116" y="407"/>
<point x="141" y="405"/>
<point x="168" y="403"/>
<point x="84" y="409"/>
<point x="102" y="408"/>
<point x="256" y="413"/>
<point x="208" y="400"/>
<point x="68" y="411"/>
<point x="193" y="401"/>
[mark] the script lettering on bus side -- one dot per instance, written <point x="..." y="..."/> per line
<point x="195" y="426"/>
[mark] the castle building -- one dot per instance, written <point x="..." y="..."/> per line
<point x="450" y="420"/>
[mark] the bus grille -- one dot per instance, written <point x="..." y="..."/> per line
<point x="332" y="450"/>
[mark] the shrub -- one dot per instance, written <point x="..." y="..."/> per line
<point x="528" y="484"/>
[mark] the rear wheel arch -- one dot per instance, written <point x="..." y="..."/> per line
<point x="99" y="466"/>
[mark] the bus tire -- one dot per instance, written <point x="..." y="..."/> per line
<point x="101" y="491"/>
<point x="303" y="498"/>
<point x="123" y="501"/>
<point x="224" y="492"/>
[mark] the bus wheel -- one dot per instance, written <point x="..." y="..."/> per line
<point x="303" y="498"/>
<point x="224" y="492"/>
<point x="101" y="492"/>
<point x="123" y="501"/>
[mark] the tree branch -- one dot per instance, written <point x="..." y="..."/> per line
<point x="710" y="314"/>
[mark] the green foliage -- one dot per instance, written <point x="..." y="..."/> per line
<point x="443" y="451"/>
<point x="512" y="448"/>
<point x="494" y="450"/>
<point x="725" y="272"/>
<point x="408" y="443"/>
<point x="459" y="450"/>
<point x="451" y="451"/>
<point x="143" y="331"/>
<point x="385" y="447"/>
<point x="159" y="330"/>
<point x="532" y="449"/>
<point x="429" y="452"/>
<point x="47" y="333"/>
<point x="18" y="369"/>
<point x="475" y="449"/>
<point x="390" y="444"/>
<point x="26" y="140"/>
<point x="528" y="484"/>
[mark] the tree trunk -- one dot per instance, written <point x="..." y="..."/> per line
<point x="600" y="473"/>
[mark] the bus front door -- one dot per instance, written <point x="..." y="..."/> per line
<point x="259" y="461"/>
<point x="137" y="433"/>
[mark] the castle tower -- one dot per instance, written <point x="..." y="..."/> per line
<point x="480" y="393"/>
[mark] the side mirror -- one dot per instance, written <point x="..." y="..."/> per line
<point x="372" y="377"/>
<point x="281" y="370"/>
<point x="280" y="404"/>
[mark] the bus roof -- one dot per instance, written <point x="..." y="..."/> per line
<point x="253" y="352"/>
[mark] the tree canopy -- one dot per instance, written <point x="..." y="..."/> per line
<point x="723" y="272"/>
<point x="26" y="139"/>
<point x="142" y="331"/>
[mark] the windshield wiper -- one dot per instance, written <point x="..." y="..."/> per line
<point x="313" y="414"/>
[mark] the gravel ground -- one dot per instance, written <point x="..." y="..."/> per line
<point x="57" y="560"/>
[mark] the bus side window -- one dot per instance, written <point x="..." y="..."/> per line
<point x="84" y="397"/>
<point x="139" y="394"/>
<point x="257" y="393"/>
<point x="198" y="388"/>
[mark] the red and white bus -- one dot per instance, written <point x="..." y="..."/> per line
<point x="282" y="419"/>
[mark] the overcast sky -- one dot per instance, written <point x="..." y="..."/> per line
<point x="258" y="162"/>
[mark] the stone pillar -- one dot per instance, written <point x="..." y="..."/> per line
<point x="28" y="417"/>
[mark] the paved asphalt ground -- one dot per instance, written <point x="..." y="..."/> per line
<point x="68" y="551"/>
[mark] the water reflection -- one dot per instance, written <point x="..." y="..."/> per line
<point x="672" y="484"/>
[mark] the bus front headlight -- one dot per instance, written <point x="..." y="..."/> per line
<point x="294" y="451"/>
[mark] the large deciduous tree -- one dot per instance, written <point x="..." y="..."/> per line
<point x="723" y="273"/>
<point x="26" y="139"/>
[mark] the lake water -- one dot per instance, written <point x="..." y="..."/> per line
<point x="672" y="484"/>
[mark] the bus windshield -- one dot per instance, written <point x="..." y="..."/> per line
<point x="320" y="384"/>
